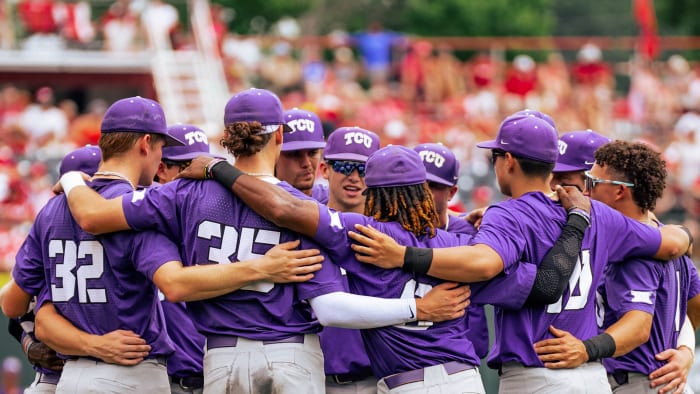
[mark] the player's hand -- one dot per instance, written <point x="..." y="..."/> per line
<point x="377" y="248"/>
<point x="119" y="347"/>
<point x="674" y="375"/>
<point x="284" y="264"/>
<point x="39" y="353"/>
<point x="445" y="301"/>
<point x="58" y="189"/>
<point x="563" y="351"/>
<point x="571" y="197"/>
<point x="474" y="217"/>
<point x="196" y="169"/>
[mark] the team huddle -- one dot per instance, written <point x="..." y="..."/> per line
<point x="259" y="279"/>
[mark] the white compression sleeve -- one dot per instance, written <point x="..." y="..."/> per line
<point x="70" y="180"/>
<point x="687" y="336"/>
<point x="356" y="311"/>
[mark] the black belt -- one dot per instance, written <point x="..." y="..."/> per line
<point x="348" y="378"/>
<point x="219" y="341"/>
<point x="188" y="383"/>
<point x="621" y="377"/>
<point x="417" y="375"/>
<point x="49" y="378"/>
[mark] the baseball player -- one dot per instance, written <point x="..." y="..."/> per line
<point x="301" y="150"/>
<point x="643" y="301"/>
<point x="274" y="344"/>
<point x="526" y="225"/>
<point x="346" y="364"/>
<point x="575" y="156"/>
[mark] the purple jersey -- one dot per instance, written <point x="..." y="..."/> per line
<point x="459" y="225"/>
<point x="319" y="192"/>
<point x="661" y="289"/>
<point x="99" y="283"/>
<point x="189" y="344"/>
<point x="524" y="229"/>
<point x="212" y="226"/>
<point x="404" y="347"/>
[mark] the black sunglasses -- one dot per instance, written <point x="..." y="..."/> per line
<point x="182" y="164"/>
<point x="346" y="167"/>
<point x="495" y="153"/>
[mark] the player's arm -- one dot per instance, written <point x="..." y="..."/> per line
<point x="91" y="211"/>
<point x="281" y="264"/>
<point x="269" y="201"/>
<point x="673" y="376"/>
<point x="117" y="347"/>
<point x="15" y="301"/>
<point x="676" y="241"/>
<point x="338" y="309"/>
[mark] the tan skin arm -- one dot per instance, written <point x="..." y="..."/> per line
<point x="674" y="243"/>
<point x="281" y="264"/>
<point x="15" y="301"/>
<point x="117" y="347"/>
<point x="567" y="351"/>
<point x="270" y="201"/>
<point x="673" y="375"/>
<point x="94" y="213"/>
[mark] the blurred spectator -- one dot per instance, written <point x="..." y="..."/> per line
<point x="594" y="84"/>
<point x="43" y="121"/>
<point x="7" y="35"/>
<point x="375" y="46"/>
<point x="38" y="16"/>
<point x="11" y="373"/>
<point x="120" y="27"/>
<point x="521" y="80"/>
<point x="314" y="72"/>
<point x="75" y="19"/>
<point x="159" y="19"/>
<point x="280" y="70"/>
<point x="85" y="129"/>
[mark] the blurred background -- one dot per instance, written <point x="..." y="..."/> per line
<point x="413" y="71"/>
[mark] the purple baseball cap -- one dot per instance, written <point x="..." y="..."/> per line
<point x="394" y="165"/>
<point x="440" y="163"/>
<point x="86" y="159"/>
<point x="139" y="115"/>
<point x="577" y="150"/>
<point x="255" y="105"/>
<point x="527" y="134"/>
<point x="351" y="143"/>
<point x="306" y="131"/>
<point x="196" y="143"/>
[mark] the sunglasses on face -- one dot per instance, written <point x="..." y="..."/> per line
<point x="346" y="167"/>
<point x="591" y="181"/>
<point x="181" y="164"/>
<point x="495" y="153"/>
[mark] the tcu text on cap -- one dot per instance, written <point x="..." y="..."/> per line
<point x="196" y="136"/>
<point x="432" y="157"/>
<point x="301" y="125"/>
<point x="562" y="147"/>
<point x="358" y="138"/>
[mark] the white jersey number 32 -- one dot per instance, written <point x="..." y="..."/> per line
<point x="71" y="254"/>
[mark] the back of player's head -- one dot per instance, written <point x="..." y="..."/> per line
<point x="196" y="143"/>
<point x="440" y="163"/>
<point x="397" y="190"/>
<point x="250" y="119"/>
<point x="638" y="164"/>
<point x="577" y="150"/>
<point x="306" y="131"/>
<point x="86" y="159"/>
<point x="351" y="143"/>
<point x="137" y="115"/>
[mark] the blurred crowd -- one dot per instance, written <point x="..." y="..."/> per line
<point x="407" y="89"/>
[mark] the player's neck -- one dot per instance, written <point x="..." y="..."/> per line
<point x="523" y="185"/>
<point x="256" y="164"/>
<point x="117" y="168"/>
<point x="633" y="211"/>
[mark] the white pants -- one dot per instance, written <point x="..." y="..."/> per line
<point x="83" y="376"/>
<point x="436" y="380"/>
<point x="40" y="386"/>
<point x="257" y="368"/>
<point x="589" y="378"/>
<point x="638" y="383"/>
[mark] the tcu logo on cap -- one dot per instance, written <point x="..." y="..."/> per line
<point x="562" y="147"/>
<point x="432" y="157"/>
<point x="196" y="136"/>
<point x="358" y="138"/>
<point x="301" y="125"/>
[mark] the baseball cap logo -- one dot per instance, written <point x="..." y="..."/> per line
<point x="302" y="125"/>
<point x="432" y="157"/>
<point x="588" y="163"/>
<point x="562" y="147"/>
<point x="358" y="138"/>
<point x="504" y="143"/>
<point x="196" y="136"/>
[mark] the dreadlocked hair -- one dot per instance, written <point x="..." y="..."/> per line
<point x="244" y="138"/>
<point x="411" y="206"/>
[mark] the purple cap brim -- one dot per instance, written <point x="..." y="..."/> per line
<point x="561" y="167"/>
<point x="493" y="144"/>
<point x="437" y="179"/>
<point x="301" y="145"/>
<point x="346" y="156"/>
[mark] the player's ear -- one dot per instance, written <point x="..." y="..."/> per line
<point x="324" y="169"/>
<point x="144" y="143"/>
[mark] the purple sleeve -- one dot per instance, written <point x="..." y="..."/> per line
<point x="326" y="280"/>
<point x="500" y="232"/>
<point x="151" y="250"/>
<point x="519" y="283"/>
<point x="640" y="240"/>
<point x="632" y="286"/>
<point x="28" y="271"/>
<point x="154" y="208"/>
<point x="694" y="281"/>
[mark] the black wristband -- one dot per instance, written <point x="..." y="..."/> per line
<point x="417" y="260"/>
<point x="225" y="174"/>
<point x="690" y="238"/>
<point x="600" y="346"/>
<point x="577" y="222"/>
